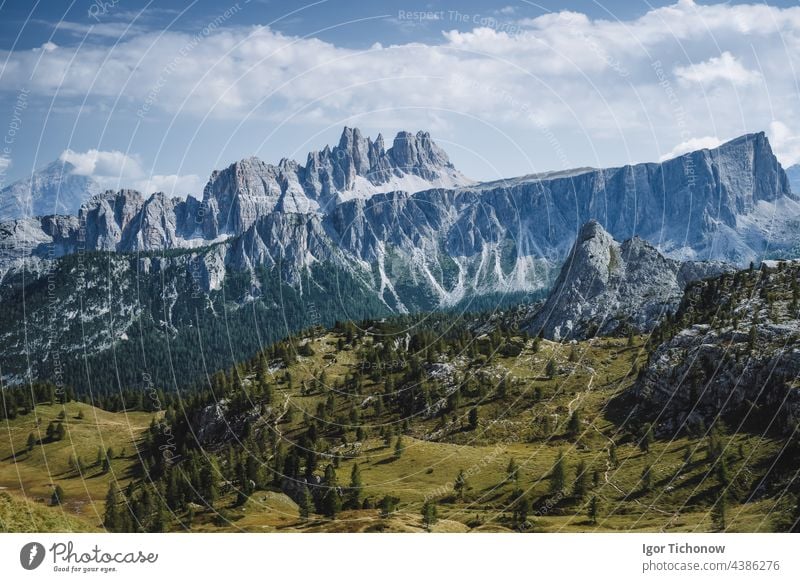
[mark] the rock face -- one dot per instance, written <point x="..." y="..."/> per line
<point x="356" y="168"/>
<point x="732" y="351"/>
<point x="606" y="287"/>
<point x="55" y="189"/>
<point x="409" y="217"/>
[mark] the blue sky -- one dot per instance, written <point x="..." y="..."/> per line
<point x="156" y="95"/>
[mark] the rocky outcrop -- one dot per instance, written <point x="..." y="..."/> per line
<point x="606" y="287"/>
<point x="732" y="351"/>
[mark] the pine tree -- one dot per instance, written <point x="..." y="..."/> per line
<point x="722" y="472"/>
<point x="522" y="507"/>
<point x="593" y="510"/>
<point x="574" y="426"/>
<point x="306" y="503"/>
<point x="719" y="513"/>
<point x="398" y="448"/>
<point x="558" y="476"/>
<point x="581" y="480"/>
<point x="550" y="369"/>
<point x="429" y="514"/>
<point x="473" y="418"/>
<point x="388" y="505"/>
<point x="31" y="442"/>
<point x="460" y="484"/>
<point x="332" y="503"/>
<point x="356" y="487"/>
<point x="512" y="470"/>
<point x="647" y="478"/>
<point x="647" y="438"/>
<point x="111" y="519"/>
<point x="612" y="455"/>
<point x="57" y="498"/>
<point x="209" y="483"/>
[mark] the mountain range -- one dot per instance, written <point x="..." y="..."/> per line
<point x="361" y="230"/>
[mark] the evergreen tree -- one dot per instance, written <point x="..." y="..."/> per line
<point x="522" y="507"/>
<point x="429" y="514"/>
<point x="388" y="505"/>
<point x="31" y="442"/>
<point x="512" y="470"/>
<point x="306" y="503"/>
<point x="209" y="486"/>
<point x="332" y="502"/>
<point x="111" y="519"/>
<point x="355" y="489"/>
<point x="398" y="447"/>
<point x="719" y="512"/>
<point x="57" y="498"/>
<point x="460" y="484"/>
<point x="593" y="510"/>
<point x="550" y="369"/>
<point x="647" y="438"/>
<point x="558" y="476"/>
<point x="722" y="472"/>
<point x="473" y="418"/>
<point x="574" y="425"/>
<point x="581" y="480"/>
<point x="647" y="478"/>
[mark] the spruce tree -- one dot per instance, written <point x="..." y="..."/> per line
<point x="581" y="480"/>
<point x="719" y="512"/>
<point x="57" y="498"/>
<point x="460" y="484"/>
<point x="473" y="418"/>
<point x="558" y="476"/>
<point x="429" y="514"/>
<point x="355" y="489"/>
<point x="593" y="510"/>
<point x="647" y="478"/>
<point x="512" y="470"/>
<point x="111" y="519"/>
<point x="306" y="503"/>
<point x="332" y="502"/>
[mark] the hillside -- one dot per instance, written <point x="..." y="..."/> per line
<point x="32" y="464"/>
<point x="287" y="430"/>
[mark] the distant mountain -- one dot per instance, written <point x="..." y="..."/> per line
<point x="606" y="287"/>
<point x="55" y="189"/>
<point x="793" y="173"/>
<point x="396" y="230"/>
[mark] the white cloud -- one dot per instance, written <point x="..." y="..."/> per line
<point x="726" y="67"/>
<point x="785" y="143"/>
<point x="103" y="164"/>
<point x="691" y="145"/>
<point x="115" y="169"/>
<point x="47" y="47"/>
<point x="592" y="78"/>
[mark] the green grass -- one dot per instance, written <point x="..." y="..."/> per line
<point x="32" y="475"/>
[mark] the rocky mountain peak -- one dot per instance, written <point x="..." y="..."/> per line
<point x="606" y="287"/>
<point x="55" y="189"/>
